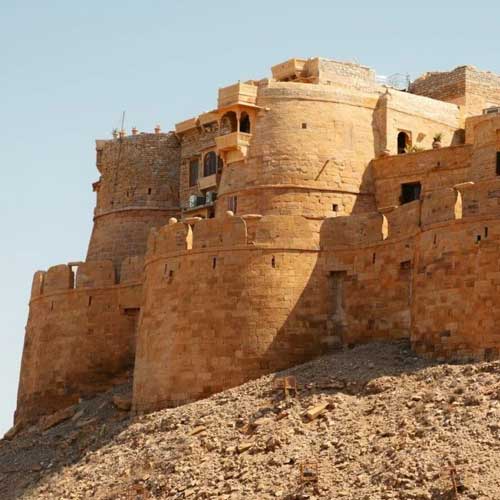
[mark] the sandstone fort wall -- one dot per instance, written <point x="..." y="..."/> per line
<point x="80" y="333"/>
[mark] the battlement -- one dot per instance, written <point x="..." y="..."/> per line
<point x="87" y="275"/>
<point x="254" y="231"/>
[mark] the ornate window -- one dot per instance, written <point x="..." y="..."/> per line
<point x="209" y="164"/>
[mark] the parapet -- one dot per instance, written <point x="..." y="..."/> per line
<point x="93" y="274"/>
<point x="276" y="231"/>
<point x="324" y="71"/>
<point x="353" y="230"/>
<point x="473" y="89"/>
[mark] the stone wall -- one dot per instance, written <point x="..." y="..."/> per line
<point x="226" y="301"/>
<point x="472" y="89"/>
<point x="449" y="86"/>
<point x="420" y="118"/>
<point x="80" y="334"/>
<point x="309" y="151"/>
<point x="138" y="189"/>
<point x="327" y="72"/>
<point x="434" y="169"/>
<point x="290" y="292"/>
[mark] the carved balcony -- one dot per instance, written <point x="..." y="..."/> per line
<point x="234" y="146"/>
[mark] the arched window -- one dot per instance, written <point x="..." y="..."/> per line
<point x="228" y="123"/>
<point x="245" y="123"/>
<point x="210" y="164"/>
<point x="403" y="143"/>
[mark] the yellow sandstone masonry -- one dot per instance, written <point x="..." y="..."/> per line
<point x="308" y="211"/>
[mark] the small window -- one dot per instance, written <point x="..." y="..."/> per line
<point x="245" y="123"/>
<point x="232" y="203"/>
<point x="149" y="191"/>
<point x="403" y="143"/>
<point x="404" y="266"/>
<point x="193" y="173"/>
<point x="273" y="262"/>
<point x="304" y="125"/>
<point x="410" y="192"/>
<point x="209" y="164"/>
<point x="214" y="262"/>
<point x="498" y="162"/>
<point x="335" y="207"/>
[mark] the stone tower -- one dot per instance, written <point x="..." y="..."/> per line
<point x="138" y="189"/>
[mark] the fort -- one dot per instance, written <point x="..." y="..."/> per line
<point x="315" y="209"/>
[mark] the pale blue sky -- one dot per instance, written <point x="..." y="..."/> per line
<point x="68" y="69"/>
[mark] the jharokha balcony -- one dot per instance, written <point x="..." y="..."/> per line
<point x="233" y="146"/>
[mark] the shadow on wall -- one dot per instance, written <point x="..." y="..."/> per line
<point x="355" y="293"/>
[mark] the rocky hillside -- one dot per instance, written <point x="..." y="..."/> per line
<point x="374" y="422"/>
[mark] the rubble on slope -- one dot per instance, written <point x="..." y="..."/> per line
<point x="374" y="422"/>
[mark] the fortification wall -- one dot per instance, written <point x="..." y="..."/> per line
<point x="138" y="189"/>
<point x="486" y="136"/>
<point x="434" y="169"/>
<point x="309" y="151"/>
<point x="312" y="145"/>
<point x="226" y="300"/>
<point x="229" y="299"/>
<point x="366" y="261"/>
<point x="80" y="334"/>
<point x="427" y="270"/>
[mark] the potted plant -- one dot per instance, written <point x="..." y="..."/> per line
<point x="436" y="143"/>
